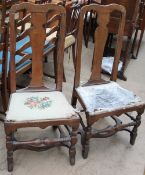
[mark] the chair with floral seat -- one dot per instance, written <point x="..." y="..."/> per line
<point x="100" y="98"/>
<point x="37" y="105"/>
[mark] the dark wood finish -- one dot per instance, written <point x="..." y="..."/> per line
<point x="132" y="7"/>
<point x="101" y="34"/>
<point x="90" y="22"/>
<point x="3" y="62"/>
<point x="40" y="22"/>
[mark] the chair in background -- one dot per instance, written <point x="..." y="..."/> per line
<point x="6" y="5"/>
<point x="140" y="27"/>
<point x="37" y="105"/>
<point x="100" y="98"/>
<point x="71" y="27"/>
<point x="132" y="8"/>
<point x="90" y="22"/>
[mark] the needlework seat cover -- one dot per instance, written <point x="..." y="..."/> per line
<point x="38" y="106"/>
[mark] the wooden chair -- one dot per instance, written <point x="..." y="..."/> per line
<point x="132" y="7"/>
<point x="140" y="27"/>
<point x="37" y="105"/>
<point x="6" y="5"/>
<point x="100" y="98"/>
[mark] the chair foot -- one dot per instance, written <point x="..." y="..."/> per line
<point x="133" y="138"/>
<point x="72" y="153"/>
<point x="72" y="160"/>
<point x="133" y="57"/>
<point x="85" y="143"/>
<point x="10" y="160"/>
<point x="85" y="151"/>
<point x="121" y="76"/>
<point x="133" y="134"/>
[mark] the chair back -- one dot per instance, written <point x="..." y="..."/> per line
<point x="131" y="6"/>
<point x="37" y="34"/>
<point x="101" y="33"/>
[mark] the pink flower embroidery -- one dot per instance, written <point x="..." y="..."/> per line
<point x="38" y="102"/>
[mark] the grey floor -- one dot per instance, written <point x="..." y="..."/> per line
<point x="111" y="156"/>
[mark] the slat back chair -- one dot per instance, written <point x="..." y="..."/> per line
<point x="100" y="98"/>
<point x="39" y="106"/>
<point x="6" y="5"/>
<point x="132" y="8"/>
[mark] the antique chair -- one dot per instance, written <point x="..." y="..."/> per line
<point x="20" y="39"/>
<point x="132" y="7"/>
<point x="100" y="98"/>
<point x="37" y="105"/>
<point x="140" y="27"/>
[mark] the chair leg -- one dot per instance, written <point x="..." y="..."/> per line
<point x="72" y="149"/>
<point x="133" y="134"/>
<point x="133" y="44"/>
<point x="73" y="54"/>
<point x="55" y="63"/>
<point x="125" y="60"/>
<point x="9" y="146"/>
<point x="4" y="98"/>
<point x="74" y="100"/>
<point x="139" y="43"/>
<point x="85" y="142"/>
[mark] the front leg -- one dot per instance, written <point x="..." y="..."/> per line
<point x="133" y="133"/>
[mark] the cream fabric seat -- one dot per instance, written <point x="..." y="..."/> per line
<point x="106" y="97"/>
<point x="69" y="40"/>
<point x="38" y="106"/>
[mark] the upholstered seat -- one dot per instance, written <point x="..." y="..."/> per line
<point x="107" y="64"/>
<point x="17" y="60"/>
<point x="38" y="106"/>
<point x="106" y="97"/>
<point x="29" y="49"/>
<point x="69" y="40"/>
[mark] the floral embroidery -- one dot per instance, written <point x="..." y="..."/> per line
<point x="38" y="102"/>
